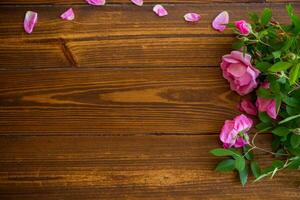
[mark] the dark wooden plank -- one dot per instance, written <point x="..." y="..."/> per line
<point x="95" y="37"/>
<point x="131" y="52"/>
<point x="152" y="167"/>
<point x="109" y="101"/>
<point x="24" y="55"/>
<point x="63" y="2"/>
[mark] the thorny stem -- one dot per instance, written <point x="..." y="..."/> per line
<point x="253" y="146"/>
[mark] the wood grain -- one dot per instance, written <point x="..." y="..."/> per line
<point x="131" y="52"/>
<point x="76" y="2"/>
<point x="127" y="101"/>
<point x="152" y="167"/>
<point x="120" y="104"/>
<point x="119" y="36"/>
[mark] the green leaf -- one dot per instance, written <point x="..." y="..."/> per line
<point x="248" y="154"/>
<point x="276" y="54"/>
<point x="253" y="17"/>
<point x="276" y="143"/>
<point x="277" y="163"/>
<point x="291" y="101"/>
<point x="274" y="84"/>
<point x="240" y="163"/>
<point x="226" y="165"/>
<point x="290" y="10"/>
<point x="293" y="74"/>
<point x="280" y="66"/>
<point x="294" y="164"/>
<point x="292" y="110"/>
<point x="265" y="172"/>
<point x="278" y="103"/>
<point x="264" y="93"/>
<point x="238" y="44"/>
<point x="243" y="176"/>
<point x="264" y="126"/>
<point x="281" y="131"/>
<point x="295" y="140"/>
<point x="263" y="66"/>
<point x="266" y="16"/>
<point x="255" y="169"/>
<point x="223" y="152"/>
<point x="295" y="19"/>
<point x="264" y="117"/>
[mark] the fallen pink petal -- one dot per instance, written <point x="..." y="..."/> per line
<point x="160" y="10"/>
<point x="219" y="23"/>
<point x="96" y="2"/>
<point x="68" y="15"/>
<point x="30" y="21"/>
<point x="138" y="2"/>
<point x="192" y="17"/>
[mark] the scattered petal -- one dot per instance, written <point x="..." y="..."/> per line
<point x="30" y="21"/>
<point x="96" y="2"/>
<point x="138" y="2"/>
<point x="192" y="17"/>
<point x="160" y="10"/>
<point x="68" y="14"/>
<point x="220" y="21"/>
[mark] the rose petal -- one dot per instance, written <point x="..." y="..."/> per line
<point x="228" y="59"/>
<point x="160" y="10"/>
<point x="245" y="58"/>
<point x="96" y="2"/>
<point x="219" y="23"/>
<point x="248" y="107"/>
<point x="237" y="70"/>
<point x="242" y="123"/>
<point x="138" y="2"/>
<point x="68" y="14"/>
<point x="192" y="17"/>
<point x="227" y="136"/>
<point x="240" y="142"/>
<point x="262" y="104"/>
<point x="30" y="21"/>
<point x="271" y="110"/>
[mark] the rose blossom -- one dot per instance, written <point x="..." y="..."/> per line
<point x="266" y="105"/>
<point x="237" y="69"/>
<point x="247" y="106"/>
<point x="243" y="27"/>
<point x="234" y="132"/>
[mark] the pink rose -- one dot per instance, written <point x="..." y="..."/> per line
<point x="247" y="106"/>
<point x="243" y="27"/>
<point x="234" y="132"/>
<point x="237" y="69"/>
<point x="266" y="105"/>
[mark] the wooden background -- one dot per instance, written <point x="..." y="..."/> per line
<point x="120" y="104"/>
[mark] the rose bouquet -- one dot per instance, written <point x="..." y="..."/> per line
<point x="265" y="70"/>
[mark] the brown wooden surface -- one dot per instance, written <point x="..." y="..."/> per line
<point x="149" y="167"/>
<point x="120" y="104"/>
<point x="119" y="36"/>
<point x="69" y="2"/>
<point x="114" y="101"/>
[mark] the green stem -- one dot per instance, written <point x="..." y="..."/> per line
<point x="289" y="119"/>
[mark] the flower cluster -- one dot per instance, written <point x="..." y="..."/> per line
<point x="265" y="70"/>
